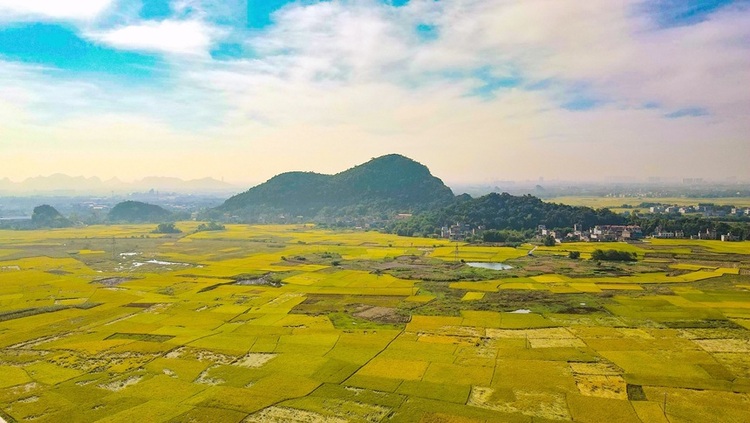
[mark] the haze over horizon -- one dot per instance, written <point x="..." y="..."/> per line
<point x="476" y="90"/>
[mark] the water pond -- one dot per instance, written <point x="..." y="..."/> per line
<point x="490" y="265"/>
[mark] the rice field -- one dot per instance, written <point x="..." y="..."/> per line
<point x="298" y="324"/>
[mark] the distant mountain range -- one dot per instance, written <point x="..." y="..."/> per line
<point x="61" y="184"/>
<point x="382" y="186"/>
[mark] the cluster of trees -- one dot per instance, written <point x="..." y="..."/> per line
<point x="166" y="228"/>
<point x="210" y="226"/>
<point x="504" y="212"/>
<point x="613" y="255"/>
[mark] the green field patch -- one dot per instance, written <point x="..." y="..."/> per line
<point x="585" y="287"/>
<point x="688" y="266"/>
<point x="394" y="369"/>
<point x="472" y="296"/>
<point x="362" y="395"/>
<point x="156" y="410"/>
<point x="145" y="337"/>
<point x="373" y="383"/>
<point x="231" y="398"/>
<point x="446" y="373"/>
<point x="483" y="319"/>
<point x="181" y="368"/>
<point x="592" y="409"/>
<point x="485" y="286"/>
<point x="701" y="405"/>
<point x="297" y="364"/>
<point x="204" y="414"/>
<point x="50" y="374"/>
<point x="619" y="287"/>
<point x="421" y="299"/>
<point x="447" y="392"/>
<point x="335" y="371"/>
<point x="13" y="376"/>
<point x="524" y="374"/>
<point x="229" y="342"/>
<point x="164" y="387"/>
<point x="676" y="364"/>
<point x="425" y="348"/>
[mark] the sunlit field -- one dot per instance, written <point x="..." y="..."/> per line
<point x="298" y="324"/>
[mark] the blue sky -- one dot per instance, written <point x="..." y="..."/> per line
<point x="222" y="79"/>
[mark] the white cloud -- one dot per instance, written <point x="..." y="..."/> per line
<point x="190" y="37"/>
<point x="52" y="9"/>
<point x="353" y="79"/>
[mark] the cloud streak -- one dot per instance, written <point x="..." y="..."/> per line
<point x="78" y="10"/>
<point x="189" y="37"/>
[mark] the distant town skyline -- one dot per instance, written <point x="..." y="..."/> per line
<point x="477" y="90"/>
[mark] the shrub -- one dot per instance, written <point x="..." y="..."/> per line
<point x="613" y="255"/>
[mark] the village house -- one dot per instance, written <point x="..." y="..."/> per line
<point x="456" y="232"/>
<point x="707" y="234"/>
<point x="605" y="233"/>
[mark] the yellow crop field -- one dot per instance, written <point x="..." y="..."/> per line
<point x="285" y="322"/>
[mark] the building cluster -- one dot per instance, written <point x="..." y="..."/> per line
<point x="599" y="233"/>
<point x="701" y="209"/>
<point x="459" y="231"/>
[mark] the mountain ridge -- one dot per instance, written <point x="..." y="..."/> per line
<point x="59" y="182"/>
<point x="385" y="184"/>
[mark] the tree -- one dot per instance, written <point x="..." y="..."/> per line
<point x="210" y="226"/>
<point x="613" y="255"/>
<point x="549" y="241"/>
<point x="166" y="228"/>
<point x="575" y="255"/>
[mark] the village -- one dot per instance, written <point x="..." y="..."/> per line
<point x="599" y="233"/>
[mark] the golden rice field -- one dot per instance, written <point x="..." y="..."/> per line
<point x="298" y="324"/>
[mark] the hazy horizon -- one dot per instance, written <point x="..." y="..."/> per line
<point x="244" y="184"/>
<point x="478" y="90"/>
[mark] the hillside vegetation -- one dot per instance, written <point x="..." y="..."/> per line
<point x="505" y="211"/>
<point x="138" y="212"/>
<point x="46" y="216"/>
<point x="388" y="184"/>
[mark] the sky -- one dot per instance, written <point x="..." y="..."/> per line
<point x="477" y="90"/>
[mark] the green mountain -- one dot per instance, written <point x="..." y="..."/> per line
<point x="384" y="185"/>
<point x="46" y="216"/>
<point x="138" y="212"/>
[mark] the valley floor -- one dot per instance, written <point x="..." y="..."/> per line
<point x="296" y="324"/>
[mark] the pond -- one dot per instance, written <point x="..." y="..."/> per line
<point x="490" y="265"/>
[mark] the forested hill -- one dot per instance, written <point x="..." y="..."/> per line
<point x="505" y="212"/>
<point x="384" y="185"/>
<point x="138" y="212"/>
<point x="46" y="216"/>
